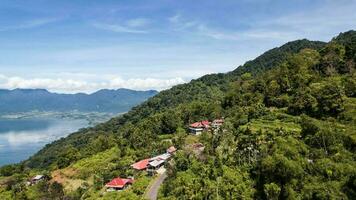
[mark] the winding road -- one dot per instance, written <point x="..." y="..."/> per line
<point x="154" y="187"/>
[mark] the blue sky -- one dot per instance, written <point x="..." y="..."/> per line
<point x="82" y="45"/>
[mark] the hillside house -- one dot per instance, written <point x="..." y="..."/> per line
<point x="119" y="184"/>
<point x="141" y="165"/>
<point x="153" y="164"/>
<point x="36" y="179"/>
<point x="198" y="127"/>
<point x="171" y="150"/>
<point x="157" y="162"/>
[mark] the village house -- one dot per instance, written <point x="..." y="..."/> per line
<point x="36" y="179"/>
<point x="151" y="165"/>
<point x="118" y="184"/>
<point x="198" y="127"/>
<point x="171" y="150"/>
<point x="154" y="166"/>
<point x="157" y="162"/>
<point x="141" y="165"/>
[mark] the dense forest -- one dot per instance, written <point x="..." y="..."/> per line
<point x="289" y="133"/>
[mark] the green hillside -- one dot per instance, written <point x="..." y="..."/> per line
<point x="289" y="133"/>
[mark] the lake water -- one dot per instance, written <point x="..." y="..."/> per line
<point x="21" y="138"/>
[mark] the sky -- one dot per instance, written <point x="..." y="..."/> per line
<point x="71" y="46"/>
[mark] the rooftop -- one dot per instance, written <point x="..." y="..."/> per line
<point x="119" y="182"/>
<point x="140" y="165"/>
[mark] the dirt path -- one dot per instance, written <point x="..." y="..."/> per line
<point x="154" y="187"/>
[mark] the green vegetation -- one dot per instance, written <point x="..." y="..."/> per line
<point x="289" y="133"/>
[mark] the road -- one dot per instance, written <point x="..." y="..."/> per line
<point x="154" y="187"/>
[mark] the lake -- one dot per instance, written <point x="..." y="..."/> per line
<point x="21" y="138"/>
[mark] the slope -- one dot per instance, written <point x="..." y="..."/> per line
<point x="289" y="132"/>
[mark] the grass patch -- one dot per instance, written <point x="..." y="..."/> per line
<point x="95" y="163"/>
<point x="165" y="137"/>
<point x="191" y="139"/>
<point x="270" y="126"/>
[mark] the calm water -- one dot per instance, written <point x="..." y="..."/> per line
<point x="21" y="138"/>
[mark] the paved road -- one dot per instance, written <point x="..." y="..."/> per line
<point x="154" y="187"/>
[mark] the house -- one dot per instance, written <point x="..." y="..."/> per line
<point x="154" y="166"/>
<point x="119" y="184"/>
<point x="171" y="150"/>
<point x="151" y="165"/>
<point x="198" y="127"/>
<point x="36" y="179"/>
<point x="163" y="157"/>
<point x="141" y="165"/>
<point x="144" y="164"/>
<point x="157" y="162"/>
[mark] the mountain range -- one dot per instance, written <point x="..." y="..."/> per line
<point x="111" y="101"/>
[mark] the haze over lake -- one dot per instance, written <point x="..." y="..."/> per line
<point x="21" y="138"/>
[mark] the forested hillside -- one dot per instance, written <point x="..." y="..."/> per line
<point x="289" y="133"/>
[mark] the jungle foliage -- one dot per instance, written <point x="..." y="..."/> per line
<point x="289" y="133"/>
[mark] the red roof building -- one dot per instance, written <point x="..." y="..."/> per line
<point x="202" y="124"/>
<point x="198" y="127"/>
<point x="141" y="165"/>
<point x="119" y="183"/>
<point x="171" y="150"/>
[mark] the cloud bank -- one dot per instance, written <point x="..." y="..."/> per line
<point x="86" y="84"/>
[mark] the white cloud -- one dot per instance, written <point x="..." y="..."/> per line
<point x="145" y="84"/>
<point x="81" y="84"/>
<point x="175" y="18"/>
<point x="130" y="28"/>
<point x="256" y="34"/>
<point x="138" y="22"/>
<point x="181" y="24"/>
<point x="29" y="24"/>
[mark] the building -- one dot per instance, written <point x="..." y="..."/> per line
<point x="198" y="127"/>
<point x="36" y="179"/>
<point x="157" y="162"/>
<point x="141" y="165"/>
<point x="119" y="184"/>
<point x="151" y="165"/>
<point x="154" y="166"/>
<point x="164" y="157"/>
<point x="171" y="150"/>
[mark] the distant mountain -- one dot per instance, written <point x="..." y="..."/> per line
<point x="113" y="101"/>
